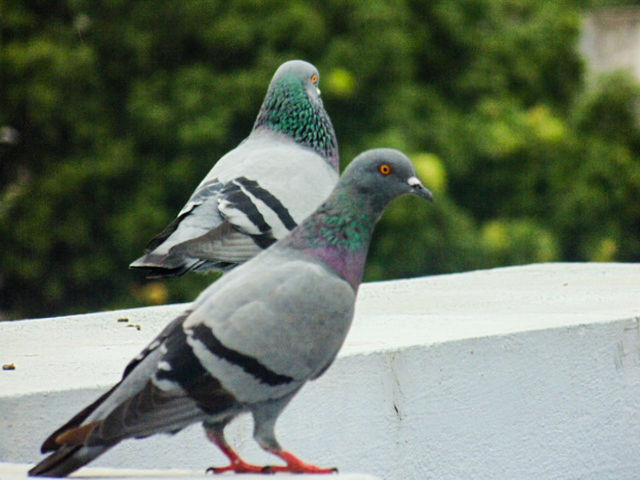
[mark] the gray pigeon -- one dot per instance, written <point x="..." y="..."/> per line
<point x="252" y="339"/>
<point x="259" y="191"/>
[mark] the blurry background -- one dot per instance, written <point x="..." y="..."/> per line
<point x="521" y="116"/>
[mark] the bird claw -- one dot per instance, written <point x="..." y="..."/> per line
<point x="306" y="468"/>
<point x="269" y="469"/>
<point x="295" y="465"/>
<point x="239" y="467"/>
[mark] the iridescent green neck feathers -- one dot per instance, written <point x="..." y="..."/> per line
<point x="287" y="109"/>
<point x="339" y="234"/>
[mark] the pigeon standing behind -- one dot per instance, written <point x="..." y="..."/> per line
<point x="252" y="339"/>
<point x="259" y="191"/>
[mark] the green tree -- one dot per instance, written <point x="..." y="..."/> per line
<point x="111" y="112"/>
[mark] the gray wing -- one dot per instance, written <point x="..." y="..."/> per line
<point x="252" y="339"/>
<point x="269" y="326"/>
<point x="253" y="196"/>
<point x="164" y="389"/>
<point x="257" y="334"/>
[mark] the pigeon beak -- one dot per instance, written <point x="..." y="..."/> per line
<point x="419" y="189"/>
<point x="318" y="90"/>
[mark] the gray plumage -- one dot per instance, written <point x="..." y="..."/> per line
<point x="259" y="191"/>
<point x="252" y="339"/>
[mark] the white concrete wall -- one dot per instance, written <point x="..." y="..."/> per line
<point x="18" y="471"/>
<point x="611" y="39"/>
<point x="528" y="372"/>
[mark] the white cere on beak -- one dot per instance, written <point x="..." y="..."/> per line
<point x="419" y="189"/>
<point x="318" y="90"/>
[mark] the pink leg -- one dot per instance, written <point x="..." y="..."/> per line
<point x="295" y="465"/>
<point x="237" y="464"/>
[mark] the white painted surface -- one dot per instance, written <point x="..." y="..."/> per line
<point x="15" y="471"/>
<point x="527" y="372"/>
<point x="611" y="39"/>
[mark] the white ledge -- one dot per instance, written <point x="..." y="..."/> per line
<point x="523" y="372"/>
<point x="15" y="471"/>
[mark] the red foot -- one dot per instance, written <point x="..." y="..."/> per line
<point x="239" y="466"/>
<point x="295" y="465"/>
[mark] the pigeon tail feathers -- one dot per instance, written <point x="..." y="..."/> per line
<point x="66" y="460"/>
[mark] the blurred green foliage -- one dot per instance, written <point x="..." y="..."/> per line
<point x="112" y="111"/>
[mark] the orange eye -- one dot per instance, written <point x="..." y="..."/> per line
<point x="384" y="169"/>
<point x="314" y="78"/>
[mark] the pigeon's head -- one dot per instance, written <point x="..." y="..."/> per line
<point x="293" y="107"/>
<point x="384" y="174"/>
<point x="298" y="73"/>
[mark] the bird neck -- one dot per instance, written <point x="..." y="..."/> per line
<point x="338" y="234"/>
<point x="287" y="109"/>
